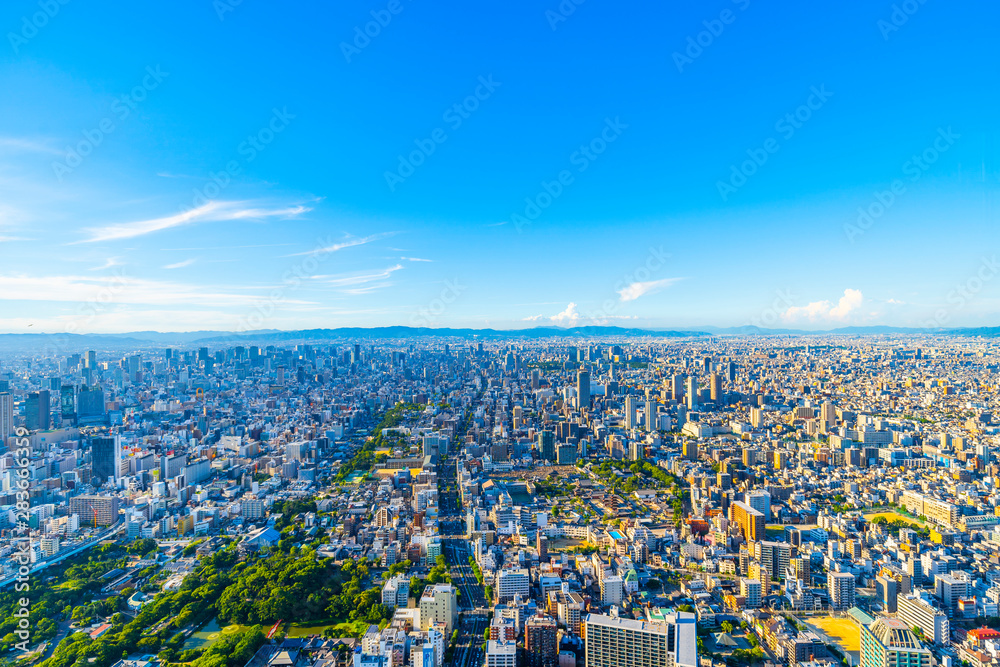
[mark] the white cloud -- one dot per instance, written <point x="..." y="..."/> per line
<point x="181" y="265"/>
<point x="101" y="292"/>
<point x="416" y="259"/>
<point x="360" y="283"/>
<point x="349" y="242"/>
<point x="635" y="290"/>
<point x="532" y="318"/>
<point x="28" y="146"/>
<point x="568" y="316"/>
<point x="213" y="211"/>
<point x="824" y="310"/>
<point x="110" y="262"/>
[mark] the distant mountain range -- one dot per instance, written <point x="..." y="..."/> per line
<point x="70" y="343"/>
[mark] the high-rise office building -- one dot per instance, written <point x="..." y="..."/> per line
<point x="90" y="406"/>
<point x="692" y="393"/>
<point x="107" y="455"/>
<point x="6" y="416"/>
<point x="67" y="404"/>
<point x="630" y="412"/>
<point x="37" y="411"/>
<point x="620" y="642"/>
<point x="649" y="418"/>
<point x="583" y="389"/>
<point x="715" y="387"/>
<point x="676" y="390"/>
<point x="547" y="445"/>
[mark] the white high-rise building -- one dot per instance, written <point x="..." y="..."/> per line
<point x="630" y="414"/>
<point x="841" y="590"/>
<point x="620" y="642"/>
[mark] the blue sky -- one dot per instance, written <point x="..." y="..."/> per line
<point x="665" y="166"/>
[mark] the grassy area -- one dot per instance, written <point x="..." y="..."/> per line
<point x="211" y="633"/>
<point x="893" y="516"/>
<point x="355" y="629"/>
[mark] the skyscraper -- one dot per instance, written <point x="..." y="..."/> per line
<point x="547" y="445"/>
<point x="107" y="454"/>
<point x="36" y="411"/>
<point x="583" y="389"/>
<point x="6" y="416"/>
<point x="650" y="416"/>
<point x="675" y="387"/>
<point x="692" y="393"/>
<point x="67" y="403"/>
<point x="90" y="406"/>
<point x="715" y="387"/>
<point x="630" y="418"/>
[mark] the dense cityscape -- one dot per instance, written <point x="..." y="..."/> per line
<point x="562" y="502"/>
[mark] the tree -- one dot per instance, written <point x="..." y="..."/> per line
<point x="727" y="626"/>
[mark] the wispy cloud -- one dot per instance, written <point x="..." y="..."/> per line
<point x="635" y="290"/>
<point x="109" y="263"/>
<point x="348" y="242"/>
<point x="416" y="259"/>
<point x="28" y="145"/>
<point x="118" y="289"/>
<point x="825" y="310"/>
<point x="213" y="211"/>
<point x="181" y="265"/>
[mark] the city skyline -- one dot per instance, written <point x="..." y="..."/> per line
<point x="234" y="167"/>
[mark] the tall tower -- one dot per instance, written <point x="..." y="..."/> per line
<point x="692" y="393"/>
<point x="715" y="386"/>
<point x="6" y="416"/>
<point x="583" y="389"/>
<point x="630" y="418"/>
